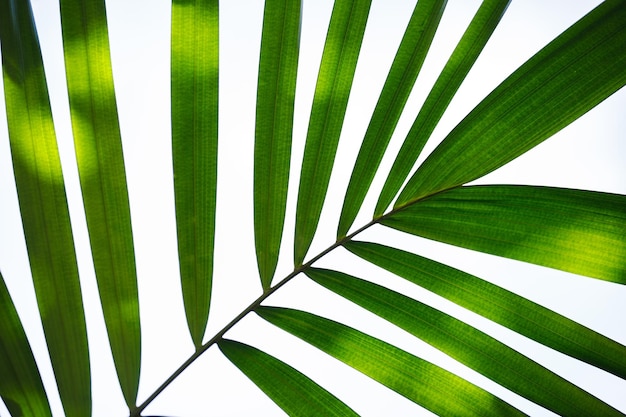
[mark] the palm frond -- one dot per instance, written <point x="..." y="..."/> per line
<point x="407" y="326"/>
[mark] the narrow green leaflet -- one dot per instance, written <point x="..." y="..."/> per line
<point x="195" y="63"/>
<point x="571" y="75"/>
<point x="280" y="42"/>
<point x="103" y="181"/>
<point x="502" y="306"/>
<point x="43" y="206"/>
<point x="21" y="388"/>
<point x="291" y="390"/>
<point x="418" y="380"/>
<point x="398" y="85"/>
<point x="334" y="81"/>
<point x="468" y="345"/>
<point x="461" y="61"/>
<point x="572" y="230"/>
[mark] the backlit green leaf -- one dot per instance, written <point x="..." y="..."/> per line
<point x="502" y="306"/>
<point x="343" y="43"/>
<point x="280" y="42"/>
<point x="461" y="61"/>
<point x="416" y="379"/>
<point x="103" y="181"/>
<point x="572" y="230"/>
<point x="571" y="75"/>
<point x="21" y="388"/>
<point x="43" y="206"/>
<point x="195" y="60"/>
<point x="292" y="391"/>
<point x="398" y="85"/>
<point x="468" y="345"/>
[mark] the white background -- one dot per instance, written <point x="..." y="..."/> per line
<point x="590" y="154"/>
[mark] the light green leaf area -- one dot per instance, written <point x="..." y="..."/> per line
<point x="21" y="388"/>
<point x="461" y="61"/>
<point x="571" y="230"/>
<point x="280" y="42"/>
<point x="43" y="207"/>
<point x="502" y="306"/>
<point x="571" y="75"/>
<point x="334" y="81"/>
<point x="416" y="379"/>
<point x="194" y="82"/>
<point x="291" y="390"/>
<point x="468" y="345"/>
<point x="103" y="181"/>
<point x="396" y="90"/>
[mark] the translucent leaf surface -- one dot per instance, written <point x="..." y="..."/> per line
<point x="194" y="80"/>
<point x="398" y="85"/>
<point x="21" y="388"/>
<point x="343" y="43"/>
<point x="43" y="207"/>
<point x="502" y="306"/>
<point x="280" y="41"/>
<point x="418" y="380"/>
<point x="103" y="181"/>
<point x="461" y="61"/>
<point x="567" y="78"/>
<point x="291" y="390"/>
<point x="572" y="230"/>
<point x="468" y="345"/>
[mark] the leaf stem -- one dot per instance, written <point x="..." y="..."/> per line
<point x="136" y="412"/>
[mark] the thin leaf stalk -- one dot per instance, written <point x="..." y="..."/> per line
<point x="136" y="412"/>
<point x="256" y="303"/>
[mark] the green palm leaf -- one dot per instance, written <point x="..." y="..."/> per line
<point x="43" y="206"/>
<point x="292" y="391"/>
<point x="571" y="230"/>
<point x="402" y="75"/>
<point x="21" y="388"/>
<point x="466" y="344"/>
<point x="502" y="306"/>
<point x="334" y="81"/>
<point x="274" y="122"/>
<point x="421" y="382"/>
<point x="461" y="61"/>
<point x="195" y="59"/>
<point x="567" y="78"/>
<point x="103" y="181"/>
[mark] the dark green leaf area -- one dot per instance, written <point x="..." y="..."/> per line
<point x="466" y="344"/>
<point x="21" y="388"/>
<point x="504" y="307"/>
<point x="334" y="82"/>
<point x="98" y="145"/>
<point x="570" y="76"/>
<point x="416" y="379"/>
<point x="461" y="61"/>
<point x="194" y="96"/>
<point x="292" y="391"/>
<point x="572" y="230"/>
<point x="396" y="90"/>
<point x="43" y="207"/>
<point x="280" y="41"/>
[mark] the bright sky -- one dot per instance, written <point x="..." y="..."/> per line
<point x="588" y="155"/>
